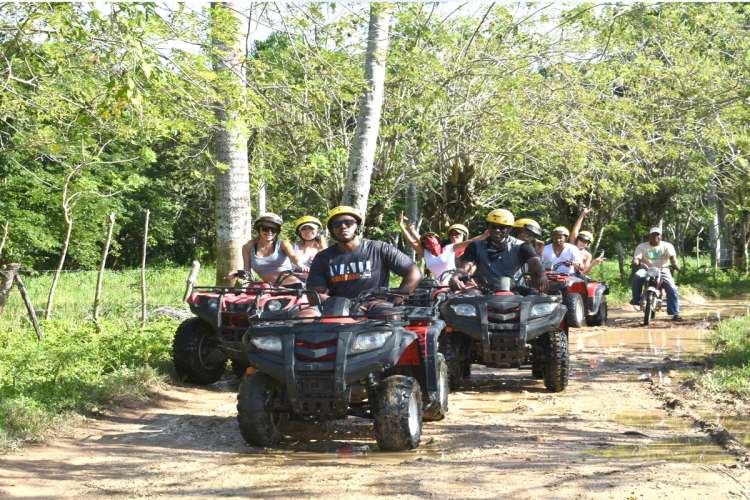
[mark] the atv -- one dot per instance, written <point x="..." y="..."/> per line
<point x="382" y="364"/>
<point x="505" y="329"/>
<point x="203" y="344"/>
<point x="584" y="298"/>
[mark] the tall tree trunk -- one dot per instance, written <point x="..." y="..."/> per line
<point x="713" y="229"/>
<point x="58" y="271"/>
<point x="229" y="35"/>
<point x="362" y="154"/>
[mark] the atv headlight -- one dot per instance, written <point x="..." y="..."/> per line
<point x="464" y="309"/>
<point x="267" y="343"/>
<point x="274" y="305"/>
<point x="369" y="341"/>
<point x="542" y="309"/>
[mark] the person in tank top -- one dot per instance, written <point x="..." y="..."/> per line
<point x="267" y="255"/>
<point x="309" y="230"/>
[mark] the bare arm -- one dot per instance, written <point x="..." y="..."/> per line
<point x="466" y="243"/>
<point x="577" y="226"/>
<point x="673" y="261"/>
<point x="410" y="280"/>
<point x="538" y="277"/>
<point x="455" y="281"/>
<point x="410" y="235"/>
<point x="293" y="256"/>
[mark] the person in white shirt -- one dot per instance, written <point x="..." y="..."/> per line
<point x="656" y="253"/>
<point x="437" y="258"/>
<point x="561" y="256"/>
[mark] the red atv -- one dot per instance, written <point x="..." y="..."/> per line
<point x="584" y="298"/>
<point x="383" y="365"/>
<point x="203" y="344"/>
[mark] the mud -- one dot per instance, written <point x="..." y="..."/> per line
<point x="607" y="436"/>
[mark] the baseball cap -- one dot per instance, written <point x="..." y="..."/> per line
<point x="655" y="229"/>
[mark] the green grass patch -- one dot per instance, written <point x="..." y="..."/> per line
<point x="731" y="372"/>
<point x="79" y="365"/>
<point x="75" y="368"/>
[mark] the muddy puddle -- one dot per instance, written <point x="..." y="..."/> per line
<point x="684" y="443"/>
<point x="686" y="449"/>
<point x="674" y="342"/>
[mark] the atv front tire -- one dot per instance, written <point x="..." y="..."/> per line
<point x="600" y="318"/>
<point x="196" y="354"/>
<point x="648" y="311"/>
<point x="557" y="361"/>
<point x="398" y="414"/>
<point x="259" y="424"/>
<point x="439" y="408"/>
<point x="576" y="314"/>
<point x="454" y="348"/>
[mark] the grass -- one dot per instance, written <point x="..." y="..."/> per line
<point x="731" y="371"/>
<point x="80" y="365"/>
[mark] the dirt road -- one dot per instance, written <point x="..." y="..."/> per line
<point x="607" y="436"/>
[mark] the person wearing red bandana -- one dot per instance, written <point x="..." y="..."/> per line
<point x="437" y="258"/>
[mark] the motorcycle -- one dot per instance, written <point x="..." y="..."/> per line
<point x="652" y="296"/>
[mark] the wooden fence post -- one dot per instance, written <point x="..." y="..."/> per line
<point x="192" y="277"/>
<point x="7" y="278"/>
<point x="143" y="270"/>
<point x="29" y="307"/>
<point x="5" y="237"/>
<point x="100" y="276"/>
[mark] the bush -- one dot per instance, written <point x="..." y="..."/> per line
<point x="76" y="367"/>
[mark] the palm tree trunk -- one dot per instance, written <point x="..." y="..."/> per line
<point x="228" y="32"/>
<point x="362" y="155"/>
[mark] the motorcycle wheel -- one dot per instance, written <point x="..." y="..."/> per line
<point x="648" y="311"/>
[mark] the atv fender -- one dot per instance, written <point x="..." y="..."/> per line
<point x="594" y="299"/>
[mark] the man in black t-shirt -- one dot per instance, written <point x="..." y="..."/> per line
<point x="354" y="264"/>
<point x="500" y="256"/>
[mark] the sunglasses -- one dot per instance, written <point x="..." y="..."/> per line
<point x="343" y="223"/>
<point x="498" y="227"/>
<point x="268" y="229"/>
<point x="588" y="242"/>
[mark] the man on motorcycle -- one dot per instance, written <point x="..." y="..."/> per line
<point x="355" y="264"/>
<point x="500" y="255"/>
<point x="660" y="254"/>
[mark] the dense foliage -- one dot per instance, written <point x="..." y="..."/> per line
<point x="639" y="111"/>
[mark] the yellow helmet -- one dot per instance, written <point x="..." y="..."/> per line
<point x="561" y="230"/>
<point x="529" y="225"/>
<point x="460" y="228"/>
<point x="306" y="219"/>
<point x="585" y="236"/>
<point x="500" y="216"/>
<point x="343" y="210"/>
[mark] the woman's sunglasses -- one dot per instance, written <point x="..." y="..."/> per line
<point x="268" y="229"/>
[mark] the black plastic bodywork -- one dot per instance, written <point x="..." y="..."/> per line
<point x="319" y="371"/>
<point x="502" y="326"/>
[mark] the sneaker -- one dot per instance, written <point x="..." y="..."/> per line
<point x="676" y="317"/>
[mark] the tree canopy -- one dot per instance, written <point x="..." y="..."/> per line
<point x="639" y="111"/>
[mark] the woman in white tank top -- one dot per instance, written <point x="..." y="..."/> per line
<point x="309" y="230"/>
<point x="266" y="254"/>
